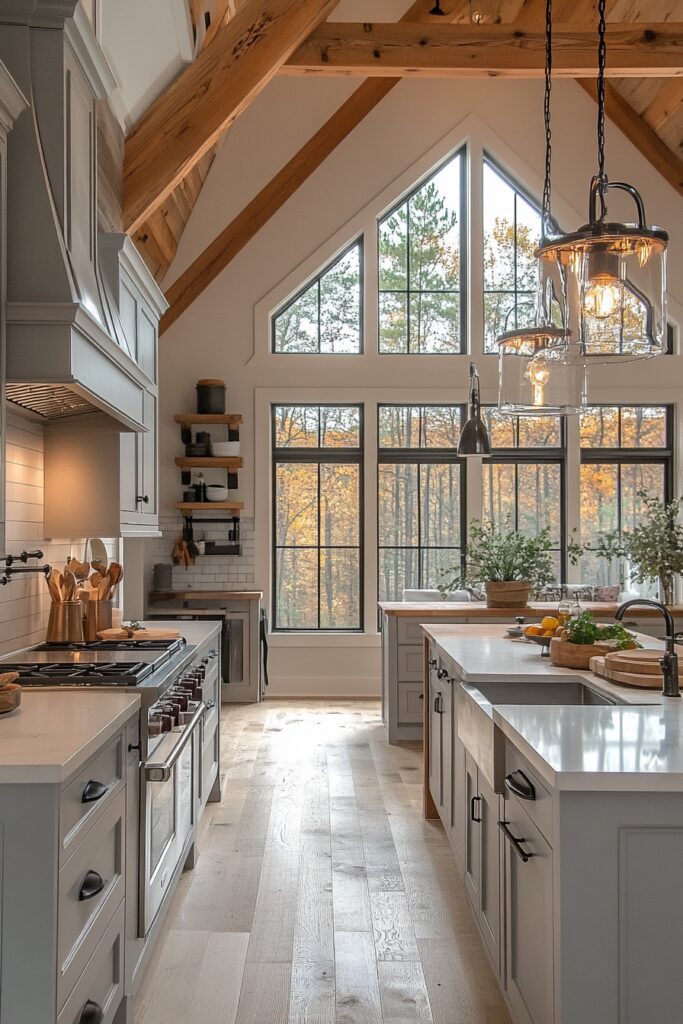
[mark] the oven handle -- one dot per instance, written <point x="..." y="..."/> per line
<point x="161" y="772"/>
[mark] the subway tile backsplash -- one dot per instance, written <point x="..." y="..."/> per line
<point x="209" y="572"/>
<point x="25" y="603"/>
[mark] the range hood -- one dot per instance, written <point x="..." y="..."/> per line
<point x="66" y="355"/>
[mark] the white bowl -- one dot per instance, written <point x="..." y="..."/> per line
<point x="225" y="449"/>
<point x="216" y="492"/>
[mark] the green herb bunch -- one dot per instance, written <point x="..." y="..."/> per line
<point x="583" y="629"/>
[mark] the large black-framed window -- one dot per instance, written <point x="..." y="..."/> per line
<point x="523" y="483"/>
<point x="421" y="497"/>
<point x="512" y="230"/>
<point x="422" y="272"/>
<point x="326" y="316"/>
<point x="625" y="450"/>
<point x="317" y="458"/>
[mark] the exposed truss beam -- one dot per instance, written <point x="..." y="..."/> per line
<point x="442" y="51"/>
<point x="639" y="132"/>
<point x="195" y="110"/>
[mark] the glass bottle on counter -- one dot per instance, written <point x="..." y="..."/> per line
<point x="564" y="610"/>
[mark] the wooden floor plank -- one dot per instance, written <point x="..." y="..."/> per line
<point x="393" y="927"/>
<point x="358" y="999"/>
<point x="403" y="994"/>
<point x="264" y="998"/>
<point x="219" y="981"/>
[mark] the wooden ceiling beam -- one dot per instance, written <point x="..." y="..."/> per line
<point x="455" y="51"/>
<point x="639" y="132"/>
<point x="189" y="117"/>
<point x="667" y="102"/>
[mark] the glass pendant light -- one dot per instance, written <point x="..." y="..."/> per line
<point x="613" y="274"/>
<point x="541" y="369"/>
<point x="474" y="439"/>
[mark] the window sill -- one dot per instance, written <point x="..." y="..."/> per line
<point x="317" y="640"/>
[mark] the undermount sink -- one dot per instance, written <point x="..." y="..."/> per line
<point x="561" y="691"/>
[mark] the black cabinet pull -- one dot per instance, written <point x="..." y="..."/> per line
<point x="142" y="499"/>
<point x="442" y="673"/>
<point x="93" y="791"/>
<point x="92" y="1013"/>
<point x="432" y="662"/>
<point x="92" y="884"/>
<point x="437" y="704"/>
<point x="472" y="803"/>
<point x="525" y="789"/>
<point x="515" y="843"/>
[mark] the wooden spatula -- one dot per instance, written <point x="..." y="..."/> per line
<point x="55" y="592"/>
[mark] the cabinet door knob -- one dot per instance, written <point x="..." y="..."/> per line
<point x="92" y="1013"/>
<point x="92" y="884"/>
<point x="525" y="789"/>
<point x="93" y="791"/>
<point x="142" y="499"/>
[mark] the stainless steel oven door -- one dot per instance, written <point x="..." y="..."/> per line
<point x="169" y="786"/>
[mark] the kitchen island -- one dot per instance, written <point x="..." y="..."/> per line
<point x="562" y="796"/>
<point x="400" y="626"/>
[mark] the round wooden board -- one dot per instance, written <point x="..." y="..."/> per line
<point x="644" y="662"/>
<point x="641" y="680"/>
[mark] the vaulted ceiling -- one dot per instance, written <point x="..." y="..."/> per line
<point x="649" y="110"/>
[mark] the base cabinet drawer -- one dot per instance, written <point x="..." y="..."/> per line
<point x="523" y="782"/>
<point x="410" y="703"/>
<point x="99" y="990"/>
<point x="84" y="798"/>
<point x="91" y="886"/>
<point x="410" y="663"/>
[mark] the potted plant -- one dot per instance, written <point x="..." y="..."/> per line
<point x="582" y="638"/>
<point x="654" y="548"/>
<point x="507" y="563"/>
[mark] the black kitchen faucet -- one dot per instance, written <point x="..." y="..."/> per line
<point x="669" y="661"/>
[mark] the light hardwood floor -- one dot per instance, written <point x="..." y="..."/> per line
<point x="320" y="896"/>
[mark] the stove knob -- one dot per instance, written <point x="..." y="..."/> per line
<point x="180" y="697"/>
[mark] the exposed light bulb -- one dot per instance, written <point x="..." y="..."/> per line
<point x="602" y="297"/>
<point x="602" y="292"/>
<point x="538" y="375"/>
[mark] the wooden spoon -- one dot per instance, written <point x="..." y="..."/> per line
<point x="98" y="566"/>
<point x="115" y="574"/>
<point x="55" y="592"/>
<point x="69" y="585"/>
<point x="103" y="589"/>
<point x="95" y="580"/>
<point x="79" y="569"/>
<point x="58" y="582"/>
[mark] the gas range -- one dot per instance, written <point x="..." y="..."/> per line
<point x="58" y="673"/>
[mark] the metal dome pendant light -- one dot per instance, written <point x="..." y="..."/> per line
<point x="541" y="368"/>
<point x="614" y="274"/>
<point x="474" y="438"/>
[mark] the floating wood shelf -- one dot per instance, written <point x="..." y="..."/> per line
<point x="209" y="462"/>
<point x="188" y="418"/>
<point x="206" y="595"/>
<point x="204" y="506"/>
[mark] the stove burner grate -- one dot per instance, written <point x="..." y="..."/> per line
<point x="124" y="673"/>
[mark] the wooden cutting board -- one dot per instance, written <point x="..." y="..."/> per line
<point x="644" y="662"/>
<point x="640" y="679"/>
<point x="139" y="634"/>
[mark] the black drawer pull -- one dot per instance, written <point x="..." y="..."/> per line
<point x="525" y="789"/>
<point x="93" y="791"/>
<point x="438" y="704"/>
<point x="92" y="884"/>
<point x="92" y="1013"/>
<point x="472" y="803"/>
<point x="515" y="843"/>
<point x="432" y="662"/>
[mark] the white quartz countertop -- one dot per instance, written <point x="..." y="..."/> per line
<point x="51" y="734"/>
<point x="194" y="632"/>
<point x="635" y="745"/>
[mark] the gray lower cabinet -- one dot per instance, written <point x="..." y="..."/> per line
<point x="482" y="860"/>
<point x="435" y="740"/>
<point x="63" y="893"/>
<point x="528" y="919"/>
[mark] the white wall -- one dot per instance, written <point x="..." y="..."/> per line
<point x="25" y="602"/>
<point x="224" y="333"/>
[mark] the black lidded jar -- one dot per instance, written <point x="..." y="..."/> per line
<point x="211" y="397"/>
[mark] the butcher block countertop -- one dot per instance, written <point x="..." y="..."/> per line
<point x="205" y="595"/>
<point x="52" y="734"/>
<point x="478" y="610"/>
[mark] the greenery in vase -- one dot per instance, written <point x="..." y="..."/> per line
<point x="654" y="548"/>
<point x="496" y="555"/>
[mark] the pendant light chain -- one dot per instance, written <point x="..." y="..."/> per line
<point x="546" y="225"/>
<point x="602" y="60"/>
